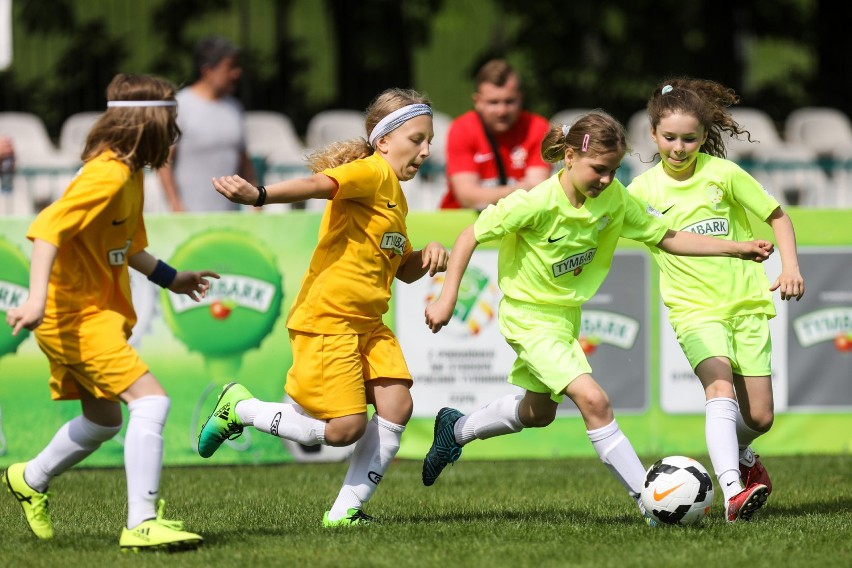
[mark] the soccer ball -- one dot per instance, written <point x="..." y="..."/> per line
<point x="677" y="491"/>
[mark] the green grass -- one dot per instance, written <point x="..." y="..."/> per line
<point x="509" y="513"/>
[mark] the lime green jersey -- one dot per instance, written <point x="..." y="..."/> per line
<point x="553" y="253"/>
<point x="712" y="202"/>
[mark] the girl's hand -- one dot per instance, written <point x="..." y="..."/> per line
<point x="438" y="315"/>
<point x="757" y="251"/>
<point x="435" y="257"/>
<point x="193" y="284"/>
<point x="791" y="284"/>
<point x="29" y="315"/>
<point x="236" y="189"/>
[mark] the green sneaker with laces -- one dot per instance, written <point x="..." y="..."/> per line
<point x="33" y="503"/>
<point x="158" y="534"/>
<point x="445" y="450"/>
<point x="353" y="518"/>
<point x="223" y="423"/>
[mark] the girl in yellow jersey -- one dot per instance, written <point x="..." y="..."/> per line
<point x="344" y="357"/>
<point x="80" y="307"/>
<point x="719" y="309"/>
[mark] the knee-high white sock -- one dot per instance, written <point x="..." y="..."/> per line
<point x="745" y="436"/>
<point x="618" y="455"/>
<point x="73" y="442"/>
<point x="143" y="456"/>
<point x="285" y="420"/>
<point x="497" y="418"/>
<point x="720" y="430"/>
<point x="373" y="454"/>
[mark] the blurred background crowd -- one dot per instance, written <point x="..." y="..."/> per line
<point x="308" y="68"/>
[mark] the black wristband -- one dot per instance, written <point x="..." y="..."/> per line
<point x="261" y="196"/>
<point x="163" y="275"/>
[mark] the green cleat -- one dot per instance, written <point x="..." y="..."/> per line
<point x="33" y="502"/>
<point x="353" y="518"/>
<point x="445" y="450"/>
<point x="223" y="424"/>
<point x="158" y="534"/>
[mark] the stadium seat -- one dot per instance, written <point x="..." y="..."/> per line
<point x="827" y="131"/>
<point x="75" y="129"/>
<point x="567" y="116"/>
<point x="42" y="171"/>
<point x="336" y="125"/>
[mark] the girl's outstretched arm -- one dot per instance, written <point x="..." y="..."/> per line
<point x="440" y="312"/>
<point x="238" y="190"/>
<point x="684" y="243"/>
<point x="790" y="281"/>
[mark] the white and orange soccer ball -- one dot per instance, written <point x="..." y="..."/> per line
<point x="677" y="491"/>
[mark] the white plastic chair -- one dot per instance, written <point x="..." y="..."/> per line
<point x="567" y="116"/>
<point x="828" y="131"/>
<point x="75" y="129"/>
<point x="43" y="172"/>
<point x="334" y="126"/>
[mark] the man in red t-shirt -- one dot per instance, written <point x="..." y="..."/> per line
<point x="473" y="171"/>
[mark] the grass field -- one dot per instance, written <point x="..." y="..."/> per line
<point x="509" y="513"/>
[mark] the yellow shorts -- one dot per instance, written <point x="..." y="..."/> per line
<point x="744" y="340"/>
<point x="329" y="371"/>
<point x="546" y="341"/>
<point x="105" y="376"/>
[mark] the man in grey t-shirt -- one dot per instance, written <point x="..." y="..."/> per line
<point x="212" y="142"/>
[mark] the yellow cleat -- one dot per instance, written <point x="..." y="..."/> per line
<point x="33" y="502"/>
<point x="158" y="534"/>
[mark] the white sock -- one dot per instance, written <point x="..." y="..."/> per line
<point x="497" y="418"/>
<point x="285" y="420"/>
<point x="720" y="430"/>
<point x="373" y="454"/>
<point x="618" y="455"/>
<point x="143" y="456"/>
<point x="73" y="442"/>
<point x="745" y="436"/>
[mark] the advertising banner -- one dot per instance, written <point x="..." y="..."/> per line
<point x="238" y="333"/>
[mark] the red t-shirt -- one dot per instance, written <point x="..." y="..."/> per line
<point x="468" y="150"/>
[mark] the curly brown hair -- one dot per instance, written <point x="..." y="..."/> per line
<point x="139" y="136"/>
<point x="706" y="100"/>
<point x="338" y="153"/>
<point x="605" y="133"/>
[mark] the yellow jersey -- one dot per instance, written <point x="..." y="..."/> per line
<point x="96" y="225"/>
<point x="362" y="243"/>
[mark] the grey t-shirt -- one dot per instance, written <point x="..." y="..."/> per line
<point x="211" y="142"/>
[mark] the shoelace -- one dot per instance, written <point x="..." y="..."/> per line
<point x="174" y="525"/>
<point x="39" y="503"/>
<point x="232" y="432"/>
<point x="362" y="517"/>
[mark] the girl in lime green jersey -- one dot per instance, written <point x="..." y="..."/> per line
<point x="557" y="245"/>
<point x="719" y="309"/>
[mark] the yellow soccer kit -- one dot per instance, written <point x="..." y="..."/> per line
<point x="96" y="225"/>
<point x="362" y="243"/>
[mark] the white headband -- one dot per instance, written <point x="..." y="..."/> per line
<point x="141" y="103"/>
<point x="396" y="119"/>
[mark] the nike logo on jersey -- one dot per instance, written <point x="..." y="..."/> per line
<point x="659" y="496"/>
<point x="667" y="210"/>
<point x="119" y="222"/>
<point x="552" y="240"/>
<point x="391" y="204"/>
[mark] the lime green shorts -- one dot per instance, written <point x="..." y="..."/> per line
<point x="744" y="340"/>
<point x="545" y="340"/>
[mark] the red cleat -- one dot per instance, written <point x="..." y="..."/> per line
<point x="746" y="502"/>
<point x="755" y="474"/>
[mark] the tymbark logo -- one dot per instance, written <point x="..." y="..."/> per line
<point x="658" y="496"/>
